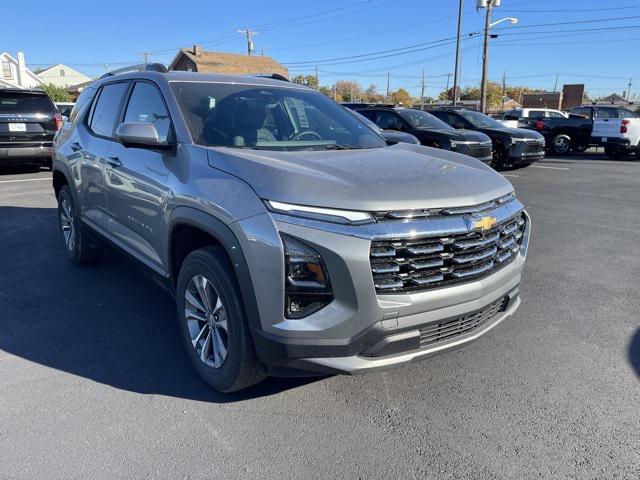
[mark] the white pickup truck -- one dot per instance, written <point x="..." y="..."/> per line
<point x="615" y="128"/>
<point x="511" y="118"/>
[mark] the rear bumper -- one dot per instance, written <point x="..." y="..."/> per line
<point x="42" y="152"/>
<point x="619" y="144"/>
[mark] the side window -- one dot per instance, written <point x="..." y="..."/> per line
<point x="387" y="120"/>
<point x="536" y="114"/>
<point x="146" y="105"/>
<point x="370" y="114"/>
<point x="606" y="113"/>
<point x="83" y="100"/>
<point x="555" y="115"/>
<point x="105" y="109"/>
<point x="625" y="113"/>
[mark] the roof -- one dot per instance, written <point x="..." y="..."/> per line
<point x="233" y="63"/>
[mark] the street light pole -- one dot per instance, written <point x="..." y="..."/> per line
<point x="456" y="75"/>
<point x="485" y="58"/>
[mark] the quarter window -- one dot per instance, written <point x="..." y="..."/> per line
<point x="146" y="105"/>
<point x="106" y="109"/>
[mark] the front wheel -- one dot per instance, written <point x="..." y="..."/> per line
<point x="499" y="157"/>
<point x="213" y="323"/>
<point x="561" y="144"/>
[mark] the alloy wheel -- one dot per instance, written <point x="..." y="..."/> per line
<point x="206" y="320"/>
<point x="67" y="224"/>
<point x="561" y="145"/>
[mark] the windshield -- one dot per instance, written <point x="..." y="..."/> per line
<point x="18" y="102"/>
<point x="480" y="120"/>
<point x="420" y="119"/>
<point x="270" y="118"/>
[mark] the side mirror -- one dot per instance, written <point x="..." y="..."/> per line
<point x="139" y="134"/>
<point x="458" y="125"/>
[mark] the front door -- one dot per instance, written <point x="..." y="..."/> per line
<point x="136" y="181"/>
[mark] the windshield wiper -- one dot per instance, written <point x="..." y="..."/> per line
<point x="337" y="146"/>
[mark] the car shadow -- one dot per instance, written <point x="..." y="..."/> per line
<point x="105" y="322"/>
<point x="633" y="352"/>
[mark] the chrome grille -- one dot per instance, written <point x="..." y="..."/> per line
<point x="448" y="329"/>
<point x="402" y="266"/>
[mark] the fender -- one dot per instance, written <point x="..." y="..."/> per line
<point x="221" y="232"/>
<point x="58" y="166"/>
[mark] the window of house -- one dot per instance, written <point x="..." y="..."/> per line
<point x="6" y="69"/>
<point x="62" y="73"/>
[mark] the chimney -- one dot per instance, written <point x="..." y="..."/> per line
<point x="22" y="71"/>
<point x="197" y="50"/>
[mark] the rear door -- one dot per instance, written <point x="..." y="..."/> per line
<point x="94" y="139"/>
<point x="27" y="118"/>
<point x="606" y="124"/>
<point x="136" y="180"/>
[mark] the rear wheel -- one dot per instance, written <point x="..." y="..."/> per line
<point x="213" y="324"/>
<point x="561" y="144"/>
<point x="79" y="247"/>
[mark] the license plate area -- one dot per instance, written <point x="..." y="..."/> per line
<point x="17" y="127"/>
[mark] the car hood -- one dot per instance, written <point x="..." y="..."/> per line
<point x="513" y="132"/>
<point x="400" y="176"/>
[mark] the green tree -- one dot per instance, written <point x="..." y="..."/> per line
<point x="348" y="91"/>
<point x="308" y="80"/>
<point x="57" y="94"/>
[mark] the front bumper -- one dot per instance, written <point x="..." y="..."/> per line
<point x="525" y="153"/>
<point x="341" y="337"/>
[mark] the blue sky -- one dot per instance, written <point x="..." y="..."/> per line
<point x="598" y="48"/>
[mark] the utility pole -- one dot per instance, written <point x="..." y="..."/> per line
<point x="335" y="93"/>
<point x="629" y="91"/>
<point x="422" y="91"/>
<point x="249" y="34"/>
<point x="485" y="58"/>
<point x="456" y="76"/>
<point x="146" y="56"/>
<point x="386" y="98"/>
<point x="555" y="85"/>
<point x="447" y="89"/>
<point x="317" y="80"/>
<point x="504" y="87"/>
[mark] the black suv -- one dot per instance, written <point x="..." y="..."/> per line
<point x="512" y="147"/>
<point x="28" y="122"/>
<point x="431" y="131"/>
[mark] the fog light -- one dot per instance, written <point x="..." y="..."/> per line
<point x="307" y="285"/>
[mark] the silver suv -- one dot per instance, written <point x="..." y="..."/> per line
<point x="293" y="237"/>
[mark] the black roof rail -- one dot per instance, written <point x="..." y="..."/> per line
<point x="274" y="76"/>
<point x="142" y="67"/>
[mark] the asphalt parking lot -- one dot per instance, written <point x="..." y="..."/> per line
<point x="94" y="382"/>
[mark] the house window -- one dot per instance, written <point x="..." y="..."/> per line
<point x="62" y="73"/>
<point x="6" y="69"/>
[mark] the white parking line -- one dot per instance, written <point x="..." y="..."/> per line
<point x="25" y="180"/>
<point x="550" y="168"/>
<point x="510" y="175"/>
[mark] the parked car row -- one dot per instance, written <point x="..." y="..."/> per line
<point x="616" y="129"/>
<point x="463" y="131"/>
<point x="294" y="237"/>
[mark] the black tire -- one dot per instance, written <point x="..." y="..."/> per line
<point x="499" y="157"/>
<point x="561" y="144"/>
<point x="241" y="368"/>
<point x="80" y="248"/>
<point x="580" y="148"/>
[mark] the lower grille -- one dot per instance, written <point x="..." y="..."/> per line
<point x="405" y="266"/>
<point x="449" y="329"/>
<point x="534" y="147"/>
<point x="479" y="150"/>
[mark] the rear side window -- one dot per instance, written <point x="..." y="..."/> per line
<point x="536" y="114"/>
<point x="18" y="102"/>
<point x="146" y="105"/>
<point x="555" y="115"/>
<point x="387" y="120"/>
<point x="607" y="113"/>
<point x="624" y="113"/>
<point x="583" y="111"/>
<point x="106" y="109"/>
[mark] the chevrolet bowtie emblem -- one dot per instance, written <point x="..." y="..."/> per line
<point x="484" y="223"/>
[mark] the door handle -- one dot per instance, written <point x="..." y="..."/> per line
<point x="114" y="162"/>
<point x="75" y="146"/>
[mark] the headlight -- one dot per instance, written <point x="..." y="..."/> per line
<point x="458" y="143"/>
<point x="307" y="285"/>
<point x="319" y="213"/>
<point x="519" y="140"/>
